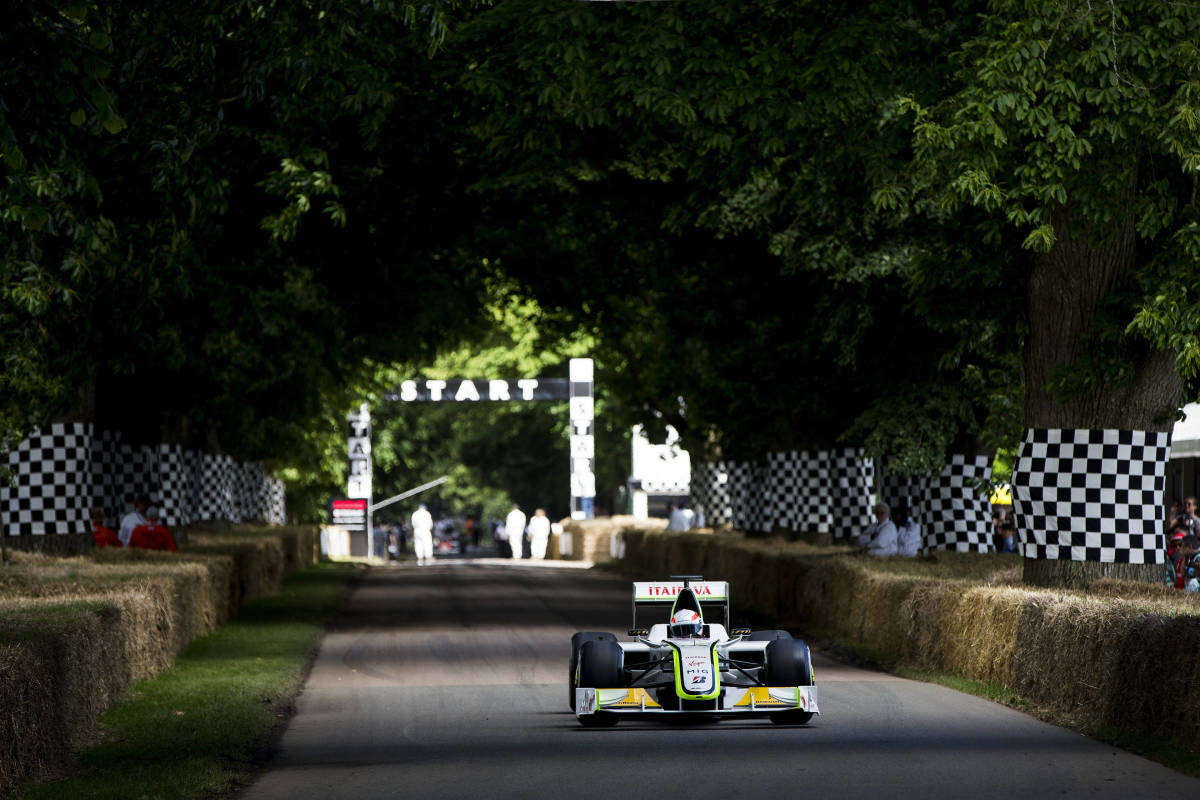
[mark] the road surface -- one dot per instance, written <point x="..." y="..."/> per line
<point x="450" y="681"/>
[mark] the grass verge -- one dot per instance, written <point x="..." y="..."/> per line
<point x="198" y="729"/>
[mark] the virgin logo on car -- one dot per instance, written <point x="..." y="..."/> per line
<point x="697" y="662"/>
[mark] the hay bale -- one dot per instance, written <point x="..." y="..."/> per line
<point x="978" y="632"/>
<point x="28" y="746"/>
<point x="258" y="562"/>
<point x="301" y="544"/>
<point x="64" y="663"/>
<point x="1064" y="652"/>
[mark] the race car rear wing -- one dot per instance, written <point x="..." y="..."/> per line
<point x="711" y="594"/>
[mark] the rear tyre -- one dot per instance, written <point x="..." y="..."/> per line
<point x="599" y="668"/>
<point x="788" y="664"/>
<point x="577" y="641"/>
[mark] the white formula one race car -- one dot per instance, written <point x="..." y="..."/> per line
<point x="689" y="666"/>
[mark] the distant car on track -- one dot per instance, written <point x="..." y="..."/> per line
<point x="689" y="666"/>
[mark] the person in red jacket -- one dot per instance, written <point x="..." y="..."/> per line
<point x="153" y="535"/>
<point x="104" y="537"/>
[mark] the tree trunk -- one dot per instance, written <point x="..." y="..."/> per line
<point x="1075" y="377"/>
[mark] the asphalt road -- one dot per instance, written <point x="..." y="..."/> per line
<point x="449" y="681"/>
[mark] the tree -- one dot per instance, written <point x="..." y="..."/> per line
<point x="701" y="176"/>
<point x="1075" y="126"/>
<point x="177" y="213"/>
<point x="1043" y="200"/>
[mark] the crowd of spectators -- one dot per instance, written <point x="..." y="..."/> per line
<point x="140" y="528"/>
<point x="1183" y="544"/>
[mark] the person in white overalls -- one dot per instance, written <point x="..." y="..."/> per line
<point x="514" y="524"/>
<point x="539" y="533"/>
<point x="422" y="524"/>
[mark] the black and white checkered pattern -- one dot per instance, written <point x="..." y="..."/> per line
<point x="784" y="481"/>
<point x="52" y="482"/>
<point x="107" y="493"/>
<point x="819" y="492"/>
<point x="814" y="487"/>
<point x="276" y="501"/>
<point x="710" y="491"/>
<point x="215" y="498"/>
<point x="955" y="516"/>
<point x="1090" y="495"/>
<point x="61" y="475"/>
<point x="895" y="490"/>
<point x="749" y="488"/>
<point x="175" y="482"/>
<point x="853" y="481"/>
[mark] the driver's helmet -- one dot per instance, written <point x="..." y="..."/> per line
<point x="685" y="623"/>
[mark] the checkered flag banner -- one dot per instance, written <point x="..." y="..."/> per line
<point x="52" y="488"/>
<point x="801" y="490"/>
<point x="895" y="490"/>
<point x="955" y="516"/>
<point x="710" y="491"/>
<point x="853" y="477"/>
<point x="62" y="473"/>
<point x="817" y="492"/>
<point x="1090" y="495"/>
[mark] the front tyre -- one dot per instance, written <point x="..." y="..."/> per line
<point x="599" y="668"/>
<point x="577" y="641"/>
<point x="788" y="664"/>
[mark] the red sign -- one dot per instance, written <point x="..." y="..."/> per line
<point x="350" y="514"/>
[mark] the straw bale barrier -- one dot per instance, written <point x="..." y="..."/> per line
<point x="76" y="633"/>
<point x="301" y="544"/>
<point x="591" y="539"/>
<point x="1121" y="656"/>
<point x="258" y="562"/>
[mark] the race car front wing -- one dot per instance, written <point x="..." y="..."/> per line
<point x="751" y="700"/>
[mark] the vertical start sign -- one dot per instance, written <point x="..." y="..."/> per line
<point x="358" y="445"/>
<point x="358" y="480"/>
<point x="583" y="439"/>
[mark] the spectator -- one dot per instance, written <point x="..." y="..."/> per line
<point x="500" y="535"/>
<point x="908" y="532"/>
<point x="880" y="537"/>
<point x="681" y="517"/>
<point x="1174" y="538"/>
<point x="514" y="525"/>
<point x="393" y="540"/>
<point x="1008" y="538"/>
<point x="1189" y="517"/>
<point x="539" y="534"/>
<point x="104" y="537"/>
<point x="1174" y="512"/>
<point x="152" y="535"/>
<point x="1185" y="556"/>
<point x="134" y="518"/>
<point x="422" y="524"/>
<point x="1000" y="520"/>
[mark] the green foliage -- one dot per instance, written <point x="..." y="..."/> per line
<point x="1079" y="117"/>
